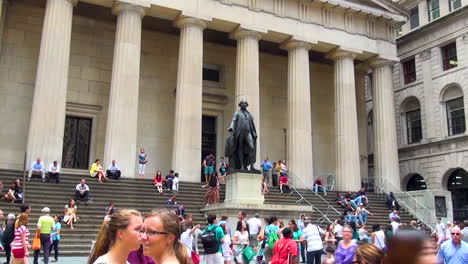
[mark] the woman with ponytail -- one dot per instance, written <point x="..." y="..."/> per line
<point x="161" y="238"/>
<point x="117" y="238"/>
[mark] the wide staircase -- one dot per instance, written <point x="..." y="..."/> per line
<point x="141" y="195"/>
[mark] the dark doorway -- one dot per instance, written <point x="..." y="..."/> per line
<point x="416" y="183"/>
<point x="208" y="139"/>
<point x="458" y="186"/>
<point x="76" y="142"/>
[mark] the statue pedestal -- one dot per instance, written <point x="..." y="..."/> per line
<point x="243" y="188"/>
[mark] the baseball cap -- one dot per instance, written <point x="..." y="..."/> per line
<point x="45" y="210"/>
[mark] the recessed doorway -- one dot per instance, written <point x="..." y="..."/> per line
<point x="76" y="142"/>
<point x="209" y="139"/>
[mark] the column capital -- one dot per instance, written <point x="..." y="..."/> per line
<point x="240" y="33"/>
<point x="184" y="21"/>
<point x="73" y="2"/>
<point x="295" y="44"/>
<point x="340" y="52"/>
<point x="379" y="62"/>
<point x="119" y="7"/>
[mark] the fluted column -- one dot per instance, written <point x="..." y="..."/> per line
<point x="346" y="129"/>
<point x="122" y="117"/>
<point x="186" y="151"/>
<point x="47" y="123"/>
<point x="386" y="167"/>
<point x="299" y="136"/>
<point x="247" y="76"/>
<point x="360" y="78"/>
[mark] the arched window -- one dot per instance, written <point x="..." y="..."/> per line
<point x="455" y="110"/>
<point x="370" y="133"/>
<point x="458" y="185"/>
<point x="411" y="112"/>
<point x="416" y="183"/>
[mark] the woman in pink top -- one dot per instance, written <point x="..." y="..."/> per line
<point x="20" y="244"/>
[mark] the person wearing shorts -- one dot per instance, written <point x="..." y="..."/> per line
<point x="208" y="165"/>
<point x="20" y="243"/>
<point x="142" y="163"/>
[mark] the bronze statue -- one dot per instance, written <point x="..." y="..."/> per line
<point x="241" y="144"/>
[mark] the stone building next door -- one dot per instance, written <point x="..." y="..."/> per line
<point x="76" y="142"/>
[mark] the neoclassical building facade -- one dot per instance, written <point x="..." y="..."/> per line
<point x="88" y="79"/>
<point x="430" y="82"/>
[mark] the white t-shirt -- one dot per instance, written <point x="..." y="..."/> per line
<point x="104" y="259"/>
<point x="395" y="226"/>
<point x="254" y="225"/>
<point x="362" y="234"/>
<point x="440" y="228"/>
<point x="312" y="234"/>
<point x="187" y="240"/>
<point x="379" y="239"/>
<point x="226" y="244"/>
<point x="338" y="229"/>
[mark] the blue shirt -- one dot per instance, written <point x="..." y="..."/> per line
<point x="36" y="166"/>
<point x="113" y="167"/>
<point x="57" y="227"/>
<point x="267" y="165"/>
<point x="450" y="254"/>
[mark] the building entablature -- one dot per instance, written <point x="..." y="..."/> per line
<point x="364" y="25"/>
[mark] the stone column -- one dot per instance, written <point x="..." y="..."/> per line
<point x="122" y="117"/>
<point x="247" y="76"/>
<point x="186" y="151"/>
<point x="346" y="130"/>
<point x="299" y="137"/>
<point x="360" y="77"/>
<point x="386" y="167"/>
<point x="47" y="123"/>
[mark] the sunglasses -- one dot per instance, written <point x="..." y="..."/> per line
<point x="456" y="234"/>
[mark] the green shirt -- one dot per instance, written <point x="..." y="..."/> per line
<point x="297" y="235"/>
<point x="219" y="233"/>
<point x="46" y="224"/>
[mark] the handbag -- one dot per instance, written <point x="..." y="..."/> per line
<point x="36" y="244"/>
<point x="195" y="257"/>
<point x="248" y="254"/>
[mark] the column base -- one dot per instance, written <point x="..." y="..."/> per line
<point x="243" y="188"/>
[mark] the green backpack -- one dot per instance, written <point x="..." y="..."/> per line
<point x="272" y="238"/>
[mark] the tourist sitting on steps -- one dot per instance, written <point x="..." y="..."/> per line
<point x="14" y="193"/>
<point x="54" y="171"/>
<point x="158" y="182"/>
<point x="82" y="192"/>
<point x="96" y="170"/>
<point x="37" y="169"/>
<point x="169" y="181"/>
<point x="284" y="184"/>
<point x="113" y="171"/>
<point x="319" y="185"/>
<point x="69" y="213"/>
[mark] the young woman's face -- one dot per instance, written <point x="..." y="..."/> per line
<point x="131" y="235"/>
<point x="154" y="245"/>
<point x="347" y="233"/>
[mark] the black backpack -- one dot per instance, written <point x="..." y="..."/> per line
<point x="209" y="241"/>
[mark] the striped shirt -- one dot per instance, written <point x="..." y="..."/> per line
<point x="17" y="244"/>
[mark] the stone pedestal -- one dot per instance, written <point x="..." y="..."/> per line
<point x="243" y="188"/>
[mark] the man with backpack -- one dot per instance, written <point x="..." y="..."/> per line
<point x="271" y="236"/>
<point x="212" y="239"/>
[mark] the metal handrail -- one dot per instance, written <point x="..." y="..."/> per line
<point x="320" y="197"/>
<point x="428" y="213"/>
<point x="324" y="216"/>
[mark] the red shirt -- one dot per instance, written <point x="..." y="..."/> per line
<point x="282" y="249"/>
<point x="284" y="179"/>
<point x="156" y="180"/>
